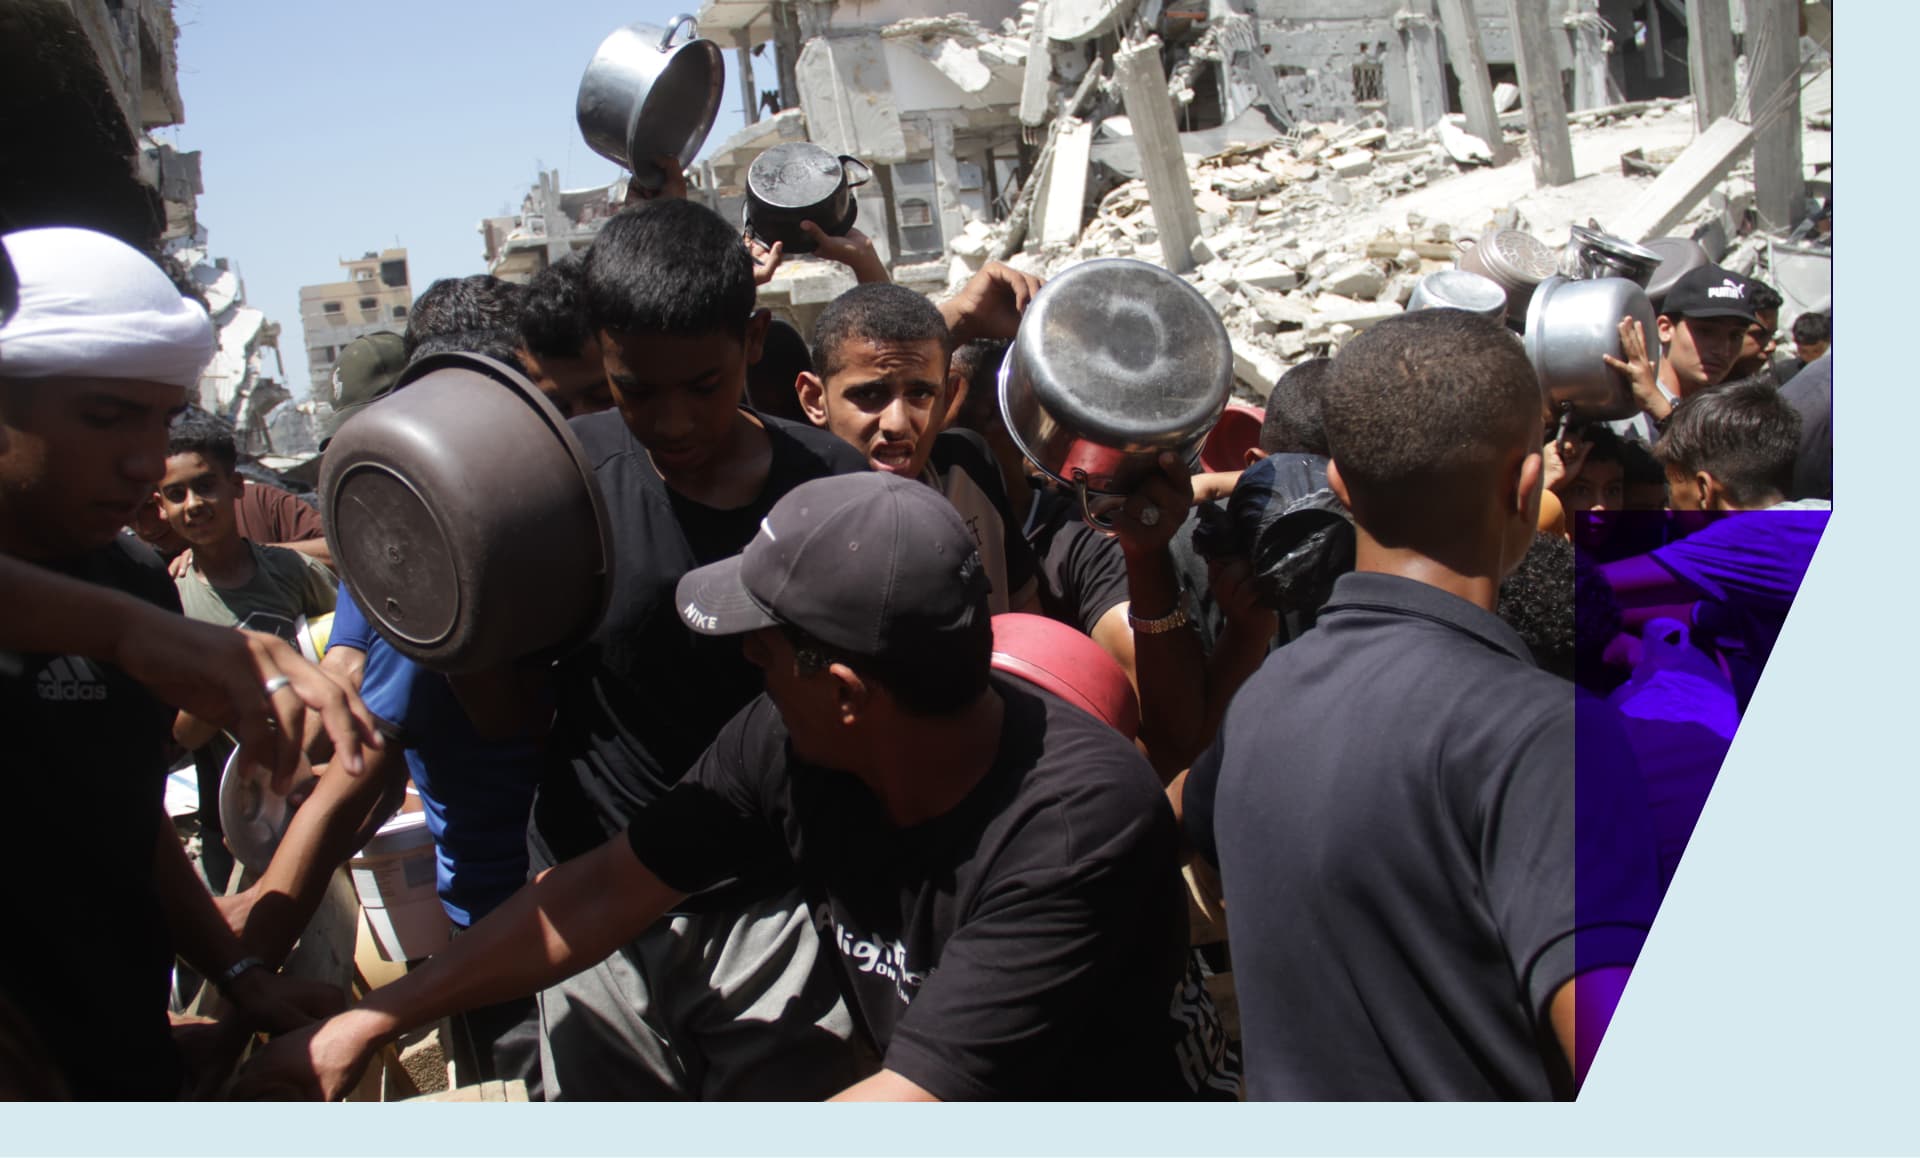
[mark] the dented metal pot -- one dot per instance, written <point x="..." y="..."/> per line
<point x="1571" y="326"/>
<point x="1115" y="362"/>
<point x="643" y="96"/>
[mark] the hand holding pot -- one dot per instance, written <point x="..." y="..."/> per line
<point x="1639" y="369"/>
<point x="1563" y="459"/>
<point x="990" y="304"/>
<point x="855" y="251"/>
<point x="674" y="185"/>
<point x="766" y="260"/>
<point x="1147" y="521"/>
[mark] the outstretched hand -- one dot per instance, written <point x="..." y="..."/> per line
<point x="1638" y="366"/>
<point x="991" y="304"/>
<point x="220" y="675"/>
<point x="854" y="250"/>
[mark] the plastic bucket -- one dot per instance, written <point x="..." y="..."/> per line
<point x="394" y="876"/>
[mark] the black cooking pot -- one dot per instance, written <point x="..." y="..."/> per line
<point x="800" y="181"/>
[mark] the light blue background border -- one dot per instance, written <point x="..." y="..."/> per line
<point x="1773" y="1010"/>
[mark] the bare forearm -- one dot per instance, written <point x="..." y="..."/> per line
<point x="312" y="549"/>
<point x="50" y="612"/>
<point x="565" y="920"/>
<point x="1170" y="666"/>
<point x="199" y="933"/>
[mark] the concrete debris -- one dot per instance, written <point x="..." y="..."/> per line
<point x="1359" y="279"/>
<point x="1461" y="145"/>
<point x="1353" y="164"/>
<point x="1267" y="274"/>
<point x="1506" y="97"/>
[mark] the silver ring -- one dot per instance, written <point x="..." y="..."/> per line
<point x="275" y="684"/>
<point x="1149" y="515"/>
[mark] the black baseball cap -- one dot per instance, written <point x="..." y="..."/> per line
<point x="368" y="369"/>
<point x="873" y="564"/>
<point x="1710" y="292"/>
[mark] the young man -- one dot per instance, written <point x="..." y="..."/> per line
<point x="231" y="581"/>
<point x="1762" y="337"/>
<point x="481" y="303"/>
<point x="95" y="362"/>
<point x="1704" y="320"/>
<point x="1732" y="450"/>
<point x="1401" y="902"/>
<point x="991" y="871"/>
<point x="881" y="382"/>
<point x="1812" y="337"/>
<point x="560" y="353"/>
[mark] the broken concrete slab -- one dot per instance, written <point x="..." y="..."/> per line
<point x="1067" y="183"/>
<point x="1256" y="369"/>
<point x="1267" y="274"/>
<point x="1283" y="312"/>
<point x="1685" y="182"/>
<point x="1359" y="279"/>
<point x="1462" y="146"/>
<point x="1355" y="164"/>
<point x="1331" y="309"/>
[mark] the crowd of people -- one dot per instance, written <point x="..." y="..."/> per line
<point x="785" y="827"/>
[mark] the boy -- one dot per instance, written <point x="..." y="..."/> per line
<point x="1732" y="450"/>
<point x="1401" y="902"/>
<point x="1703" y="322"/>
<point x="881" y="382"/>
<point x="559" y="352"/>
<point x="1812" y="337"/>
<point x="231" y="582"/>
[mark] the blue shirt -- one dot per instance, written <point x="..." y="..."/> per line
<point x="477" y="792"/>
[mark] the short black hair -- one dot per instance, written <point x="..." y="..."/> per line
<point x="552" y="321"/>
<point x="456" y="304"/>
<point x="204" y="434"/>
<point x="978" y="362"/>
<point x="877" y="312"/>
<point x="1745" y="436"/>
<point x="1637" y="464"/>
<point x="1765" y="297"/>
<point x="1418" y="405"/>
<point x="669" y="267"/>
<point x="1603" y="445"/>
<point x="1293" y="424"/>
<point x="920" y="689"/>
<point x="770" y="381"/>
<point x="1536" y="600"/>
<point x="500" y="345"/>
<point x="1811" y="328"/>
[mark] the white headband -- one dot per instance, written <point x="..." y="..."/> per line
<point x="94" y="307"/>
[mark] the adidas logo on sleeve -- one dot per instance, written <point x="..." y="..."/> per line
<point x="71" y="678"/>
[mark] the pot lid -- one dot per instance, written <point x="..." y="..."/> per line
<point x="1617" y="246"/>
<point x="795" y="175"/>
<point x="1127" y="350"/>
<point x="1462" y="289"/>
<point x="1521" y="255"/>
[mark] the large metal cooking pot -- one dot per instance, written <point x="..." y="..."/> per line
<point x="1679" y="256"/>
<point x="1593" y="254"/>
<point x="1570" y="326"/>
<point x="465" y="518"/>
<point x="800" y="181"/>
<point x="1459" y="289"/>
<point x="643" y="96"/>
<point x="1115" y="361"/>
<point x="1512" y="259"/>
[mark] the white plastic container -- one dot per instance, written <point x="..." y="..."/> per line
<point x="394" y="876"/>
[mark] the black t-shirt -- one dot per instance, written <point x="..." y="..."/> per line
<point x="962" y="468"/>
<point x="1392" y="804"/>
<point x="642" y="700"/>
<point x="88" y="958"/>
<point x="1083" y="573"/>
<point x="1027" y="944"/>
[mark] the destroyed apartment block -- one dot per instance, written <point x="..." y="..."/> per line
<point x="1302" y="162"/>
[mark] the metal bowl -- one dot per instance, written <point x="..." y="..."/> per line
<point x="1570" y="326"/>
<point x="465" y="518"/>
<point x="642" y="96"/>
<point x="1679" y="256"/>
<point x="1459" y="289"/>
<point x="1514" y="260"/>
<point x="1591" y="254"/>
<point x="253" y="816"/>
<point x="1115" y="362"/>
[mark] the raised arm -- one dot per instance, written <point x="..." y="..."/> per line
<point x="565" y="920"/>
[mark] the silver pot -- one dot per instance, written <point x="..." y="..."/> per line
<point x="1593" y="254"/>
<point x="1514" y="260"/>
<point x="1115" y="362"/>
<point x="1679" y="256"/>
<point x="1459" y="289"/>
<point x="800" y="181"/>
<point x="642" y="97"/>
<point x="1570" y="326"/>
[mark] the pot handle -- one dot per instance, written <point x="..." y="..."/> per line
<point x="1102" y="521"/>
<point x="679" y="22"/>
<point x="1463" y="244"/>
<point x="866" y="173"/>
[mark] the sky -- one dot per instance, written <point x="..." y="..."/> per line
<point x="327" y="130"/>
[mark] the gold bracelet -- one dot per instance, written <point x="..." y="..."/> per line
<point x="1172" y="621"/>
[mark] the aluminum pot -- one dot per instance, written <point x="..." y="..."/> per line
<point x="1459" y="289"/>
<point x="800" y="181"/>
<point x="465" y="518"/>
<point x="1679" y="256"/>
<point x="643" y="96"/>
<point x="1115" y="362"/>
<point x="1593" y="254"/>
<point x="253" y="816"/>
<point x="1512" y="259"/>
<point x="1570" y="326"/>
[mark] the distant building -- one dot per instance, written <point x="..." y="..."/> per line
<point x="376" y="296"/>
<point x="552" y="223"/>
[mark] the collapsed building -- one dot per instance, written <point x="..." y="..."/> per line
<point x="1302" y="162"/>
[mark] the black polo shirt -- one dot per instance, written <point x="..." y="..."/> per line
<point x="1391" y="803"/>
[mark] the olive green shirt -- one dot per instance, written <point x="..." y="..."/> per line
<point x="286" y="585"/>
